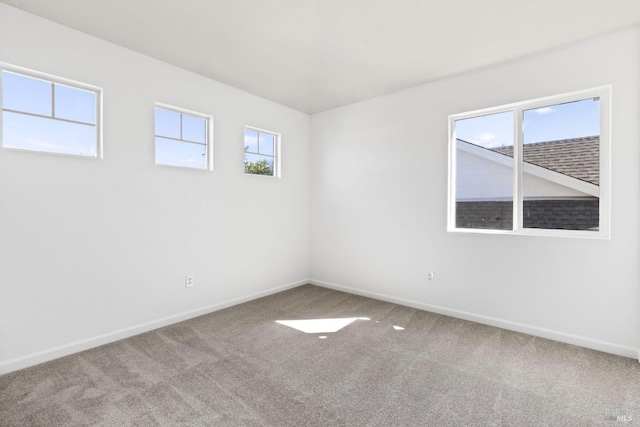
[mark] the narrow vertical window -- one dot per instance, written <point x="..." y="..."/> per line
<point x="182" y="138"/>
<point x="561" y="166"/>
<point x="261" y="152"/>
<point x="51" y="115"/>
<point x="484" y="172"/>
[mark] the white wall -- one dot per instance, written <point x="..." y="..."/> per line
<point x="94" y="250"/>
<point x="379" y="206"/>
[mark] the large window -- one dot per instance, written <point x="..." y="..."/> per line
<point x="182" y="138"/>
<point x="261" y="152"/>
<point x="535" y="167"/>
<point x="49" y="114"/>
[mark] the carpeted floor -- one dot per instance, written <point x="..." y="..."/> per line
<point x="401" y="367"/>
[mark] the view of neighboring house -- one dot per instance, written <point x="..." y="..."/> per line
<point x="560" y="185"/>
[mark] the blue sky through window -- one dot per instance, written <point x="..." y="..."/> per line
<point x="41" y="115"/>
<point x="181" y="139"/>
<point x="177" y="153"/>
<point x="259" y="143"/>
<point x="167" y="123"/>
<point x="22" y="93"/>
<point x="554" y="122"/>
<point x="75" y="104"/>
<point x="250" y="141"/>
<point x="266" y="144"/>
<point x="194" y="129"/>
<point x="562" y="121"/>
<point x="493" y="130"/>
<point x="51" y="136"/>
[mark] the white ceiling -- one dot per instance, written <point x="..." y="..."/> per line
<point x="314" y="55"/>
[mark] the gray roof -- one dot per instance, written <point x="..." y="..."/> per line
<point x="576" y="157"/>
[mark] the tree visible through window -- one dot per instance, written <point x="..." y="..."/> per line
<point x="532" y="166"/>
<point x="260" y="152"/>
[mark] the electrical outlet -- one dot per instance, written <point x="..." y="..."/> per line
<point x="431" y="277"/>
<point x="188" y="281"/>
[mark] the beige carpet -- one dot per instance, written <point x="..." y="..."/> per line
<point x="402" y="367"/>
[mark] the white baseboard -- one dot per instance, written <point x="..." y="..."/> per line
<point x="581" y="341"/>
<point x="75" y="347"/>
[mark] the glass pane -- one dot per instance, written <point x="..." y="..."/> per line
<point x="561" y="166"/>
<point x="167" y="123"/>
<point x="176" y="153"/>
<point x="194" y="129"/>
<point x="266" y="144"/>
<point x="26" y="94"/>
<point x="250" y="141"/>
<point x="258" y="165"/>
<point x="484" y="172"/>
<point x="75" y="104"/>
<point x="48" y="135"/>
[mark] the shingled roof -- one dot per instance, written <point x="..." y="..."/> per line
<point x="576" y="157"/>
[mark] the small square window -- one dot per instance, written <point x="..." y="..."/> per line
<point x="261" y="152"/>
<point x="182" y="138"/>
<point x="48" y="114"/>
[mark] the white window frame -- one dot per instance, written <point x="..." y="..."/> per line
<point x="276" y="151"/>
<point x="50" y="78"/>
<point x="604" y="229"/>
<point x="209" y="136"/>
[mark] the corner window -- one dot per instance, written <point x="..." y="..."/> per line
<point x="182" y="138"/>
<point x="49" y="114"/>
<point x="261" y="152"/>
<point x="538" y="167"/>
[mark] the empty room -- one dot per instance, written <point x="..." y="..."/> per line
<point x="319" y="213"/>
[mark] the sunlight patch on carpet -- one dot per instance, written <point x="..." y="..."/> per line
<point x="320" y="326"/>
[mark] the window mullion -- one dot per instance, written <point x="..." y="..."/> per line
<point x="258" y="143"/>
<point x="517" y="171"/>
<point x="53" y="100"/>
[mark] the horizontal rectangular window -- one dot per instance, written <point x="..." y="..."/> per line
<point x="49" y="114"/>
<point x="182" y="138"/>
<point x="535" y="167"/>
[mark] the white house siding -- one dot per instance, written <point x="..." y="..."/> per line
<point x="479" y="178"/>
